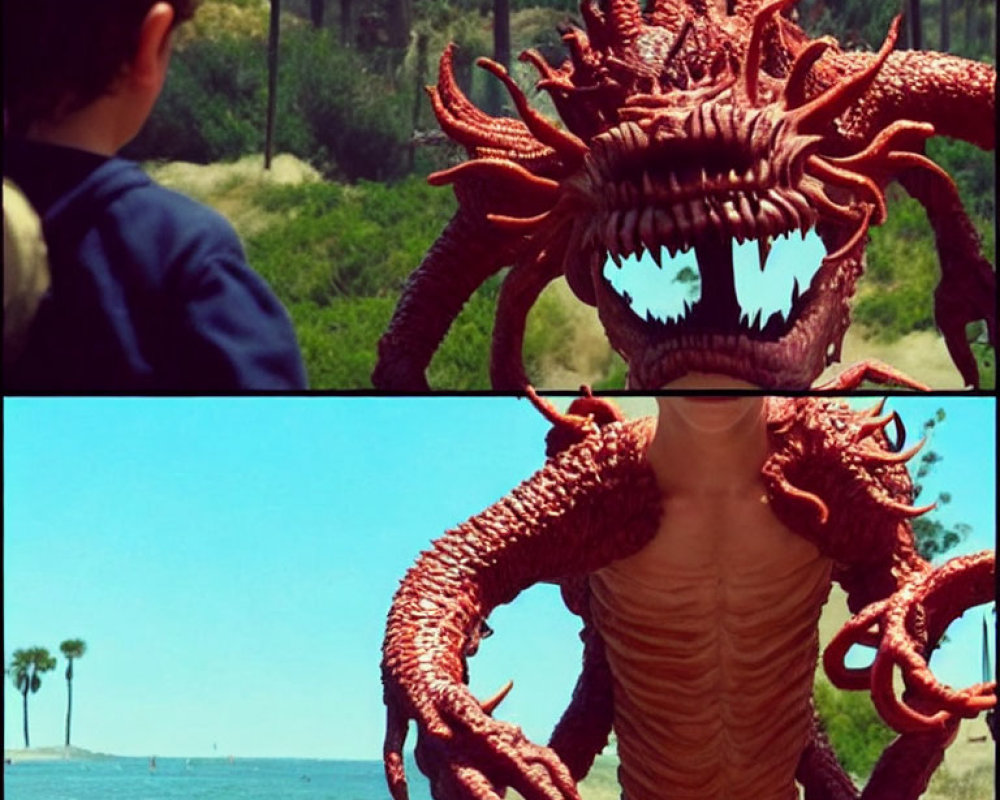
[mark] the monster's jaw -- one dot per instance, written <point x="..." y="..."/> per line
<point x="784" y="345"/>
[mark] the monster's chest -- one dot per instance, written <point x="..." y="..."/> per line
<point x="711" y="634"/>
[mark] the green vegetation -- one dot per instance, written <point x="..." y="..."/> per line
<point x="25" y="670"/>
<point x="854" y="727"/>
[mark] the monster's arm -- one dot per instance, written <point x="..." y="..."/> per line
<point x="905" y="627"/>
<point x="955" y="95"/>
<point x="465" y="255"/>
<point x="548" y="528"/>
<point x="968" y="290"/>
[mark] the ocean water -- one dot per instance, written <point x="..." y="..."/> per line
<point x="202" y="779"/>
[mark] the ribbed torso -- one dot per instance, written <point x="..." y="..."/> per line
<point x="711" y="634"/>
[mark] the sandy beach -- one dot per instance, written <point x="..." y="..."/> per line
<point x="22" y="755"/>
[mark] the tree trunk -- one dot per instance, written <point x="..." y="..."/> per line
<point x="346" y="35"/>
<point x="945" y="44"/>
<point x="420" y="78"/>
<point x="501" y="52"/>
<point x="316" y="9"/>
<point x="27" y="743"/>
<point x="916" y="36"/>
<point x="501" y="32"/>
<point x="399" y="16"/>
<point x="69" y="697"/>
<point x="272" y="80"/>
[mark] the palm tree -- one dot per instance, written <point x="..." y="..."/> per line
<point x="25" y="668"/>
<point x="71" y="648"/>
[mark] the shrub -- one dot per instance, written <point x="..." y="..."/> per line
<point x="330" y="109"/>
<point x="854" y="727"/>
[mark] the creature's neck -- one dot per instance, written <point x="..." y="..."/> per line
<point x="708" y="449"/>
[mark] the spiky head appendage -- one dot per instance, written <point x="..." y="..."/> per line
<point x="699" y="137"/>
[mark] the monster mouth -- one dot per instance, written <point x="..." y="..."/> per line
<point x="771" y="310"/>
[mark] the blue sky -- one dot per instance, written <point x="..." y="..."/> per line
<point x="230" y="561"/>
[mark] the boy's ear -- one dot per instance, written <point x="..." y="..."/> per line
<point x="152" y="56"/>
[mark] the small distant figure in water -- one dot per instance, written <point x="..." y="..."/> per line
<point x="152" y="763"/>
<point x="231" y="760"/>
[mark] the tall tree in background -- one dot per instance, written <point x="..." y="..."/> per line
<point x="501" y="53"/>
<point x="25" y="669"/>
<point x="346" y="38"/>
<point x="931" y="536"/>
<point x="916" y="37"/>
<point x="945" y="43"/>
<point x="71" y="649"/>
<point x="316" y="9"/>
<point x="272" y="79"/>
<point x="399" y="20"/>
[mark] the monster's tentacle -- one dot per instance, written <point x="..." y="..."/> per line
<point x="954" y="94"/>
<point x="872" y="371"/>
<point x="905" y="628"/>
<point x="967" y="290"/>
<point x="583" y="731"/>
<point x="518" y="294"/>
<point x="552" y="526"/>
<point x="466" y="254"/>
<point x="819" y="772"/>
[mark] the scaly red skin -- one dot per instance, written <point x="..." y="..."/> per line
<point x="833" y="475"/>
<point x="814" y="133"/>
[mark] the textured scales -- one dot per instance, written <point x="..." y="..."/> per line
<point x="688" y="127"/>
<point x="840" y="496"/>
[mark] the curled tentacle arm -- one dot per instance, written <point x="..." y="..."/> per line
<point x="967" y="291"/>
<point x="548" y="528"/>
<point x="518" y="294"/>
<point x="465" y="255"/>
<point x="905" y="627"/>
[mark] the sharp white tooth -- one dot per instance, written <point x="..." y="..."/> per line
<point x="763" y="248"/>
<point x="732" y="214"/>
<point x="733" y="177"/>
<point x="611" y="232"/>
<point x="674" y="184"/>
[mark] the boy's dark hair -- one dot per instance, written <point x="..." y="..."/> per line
<point x="59" y="56"/>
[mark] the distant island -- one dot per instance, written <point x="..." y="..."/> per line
<point x="22" y="755"/>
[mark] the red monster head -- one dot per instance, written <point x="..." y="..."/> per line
<point x="698" y="140"/>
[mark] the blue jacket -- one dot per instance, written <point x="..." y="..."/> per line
<point x="150" y="290"/>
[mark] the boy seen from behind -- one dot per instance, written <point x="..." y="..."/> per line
<point x="150" y="291"/>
